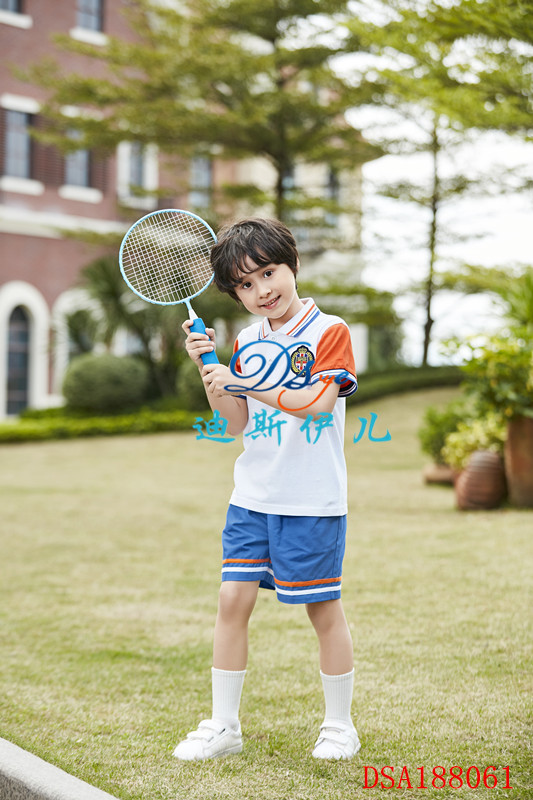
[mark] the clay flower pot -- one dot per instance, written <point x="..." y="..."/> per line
<point x="518" y="455"/>
<point x="481" y="485"/>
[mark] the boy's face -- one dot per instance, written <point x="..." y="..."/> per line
<point x="269" y="292"/>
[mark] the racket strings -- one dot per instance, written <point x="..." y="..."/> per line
<point x="166" y="257"/>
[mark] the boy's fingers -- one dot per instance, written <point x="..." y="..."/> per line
<point x="209" y="368"/>
<point x="198" y="339"/>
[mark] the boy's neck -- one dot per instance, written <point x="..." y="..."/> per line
<point x="295" y="306"/>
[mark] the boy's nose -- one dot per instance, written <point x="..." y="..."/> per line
<point x="264" y="290"/>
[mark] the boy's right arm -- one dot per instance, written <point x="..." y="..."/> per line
<point x="233" y="408"/>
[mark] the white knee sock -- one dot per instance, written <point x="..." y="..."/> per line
<point x="227" y="689"/>
<point x="338" y="690"/>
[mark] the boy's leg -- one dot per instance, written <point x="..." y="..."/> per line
<point x="221" y="735"/>
<point x="334" y="638"/>
<point x="338" y="737"/>
<point x="236" y="602"/>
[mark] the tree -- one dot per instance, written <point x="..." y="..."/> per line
<point x="418" y="73"/>
<point x="415" y="85"/>
<point x="204" y="77"/>
<point x="492" y="43"/>
<point x="155" y="328"/>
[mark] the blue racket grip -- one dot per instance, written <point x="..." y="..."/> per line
<point x="199" y="327"/>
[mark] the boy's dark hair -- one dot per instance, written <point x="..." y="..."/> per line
<point x="264" y="241"/>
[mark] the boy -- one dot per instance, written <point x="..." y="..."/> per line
<point x="286" y="523"/>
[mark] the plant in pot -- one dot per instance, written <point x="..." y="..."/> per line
<point x="437" y="424"/>
<point x="474" y="451"/>
<point x="499" y="375"/>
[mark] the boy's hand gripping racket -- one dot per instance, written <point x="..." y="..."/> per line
<point x="164" y="258"/>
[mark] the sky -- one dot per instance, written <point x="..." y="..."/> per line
<point x="495" y="231"/>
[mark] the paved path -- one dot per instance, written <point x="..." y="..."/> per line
<point x="23" y="776"/>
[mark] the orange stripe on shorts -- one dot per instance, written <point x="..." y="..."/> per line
<point x="307" y="583"/>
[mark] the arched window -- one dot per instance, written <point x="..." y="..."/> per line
<point x="18" y="361"/>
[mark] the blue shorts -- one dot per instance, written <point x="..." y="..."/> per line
<point x="299" y="557"/>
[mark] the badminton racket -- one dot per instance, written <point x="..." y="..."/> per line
<point x="165" y="259"/>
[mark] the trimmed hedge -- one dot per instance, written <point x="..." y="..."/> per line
<point x="144" y="421"/>
<point x="105" y="383"/>
<point x="408" y="379"/>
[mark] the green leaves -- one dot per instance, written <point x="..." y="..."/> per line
<point x="500" y="374"/>
<point x="246" y="81"/>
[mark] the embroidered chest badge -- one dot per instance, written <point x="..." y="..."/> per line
<point x="301" y="358"/>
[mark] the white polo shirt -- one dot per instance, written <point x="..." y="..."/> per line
<point x="290" y="465"/>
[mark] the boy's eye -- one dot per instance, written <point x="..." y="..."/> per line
<point x="268" y="272"/>
<point x="246" y="285"/>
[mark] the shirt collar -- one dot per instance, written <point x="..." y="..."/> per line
<point x="294" y="325"/>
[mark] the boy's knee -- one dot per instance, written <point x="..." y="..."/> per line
<point x="326" y="615"/>
<point x="237" y="598"/>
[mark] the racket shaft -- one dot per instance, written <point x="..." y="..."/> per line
<point x="199" y="327"/>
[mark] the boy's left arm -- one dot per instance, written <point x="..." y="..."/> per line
<point x="333" y="371"/>
<point x="319" y="398"/>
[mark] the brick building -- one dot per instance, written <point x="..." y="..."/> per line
<point x="43" y="194"/>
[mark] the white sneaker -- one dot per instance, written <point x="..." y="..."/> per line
<point x="336" y="741"/>
<point x="210" y="740"/>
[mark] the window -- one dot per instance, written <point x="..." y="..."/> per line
<point x="333" y="194"/>
<point x="78" y="168"/>
<point x="11" y="13"/>
<point x="78" y="165"/>
<point x="201" y="182"/>
<point x="90" y="15"/>
<point x="10" y="5"/>
<point x="17" y="145"/>
<point x="18" y="360"/>
<point x="137" y="174"/>
<point x="136" y="165"/>
<point x="26" y="164"/>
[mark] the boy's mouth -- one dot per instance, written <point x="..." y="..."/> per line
<point x="271" y="303"/>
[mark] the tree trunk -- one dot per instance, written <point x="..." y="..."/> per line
<point x="432" y="241"/>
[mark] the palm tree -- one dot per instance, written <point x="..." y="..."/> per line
<point x="156" y="328"/>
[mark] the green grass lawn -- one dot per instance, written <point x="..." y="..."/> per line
<point x="110" y="563"/>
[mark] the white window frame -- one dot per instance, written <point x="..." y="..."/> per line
<point x="15" y="19"/>
<point x="89" y="37"/>
<point x="150" y="177"/>
<point x="10" y="183"/>
<point x="20" y="293"/>
<point x="81" y="194"/>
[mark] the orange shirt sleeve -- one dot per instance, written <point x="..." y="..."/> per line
<point x="335" y="353"/>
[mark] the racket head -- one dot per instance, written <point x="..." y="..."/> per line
<point x="165" y="256"/>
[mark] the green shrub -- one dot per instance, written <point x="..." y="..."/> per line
<point x="500" y="374"/>
<point x="190" y="388"/>
<point x="71" y="427"/>
<point x="437" y="425"/>
<point x="485" y="433"/>
<point x="105" y="383"/>
<point x="405" y="379"/>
